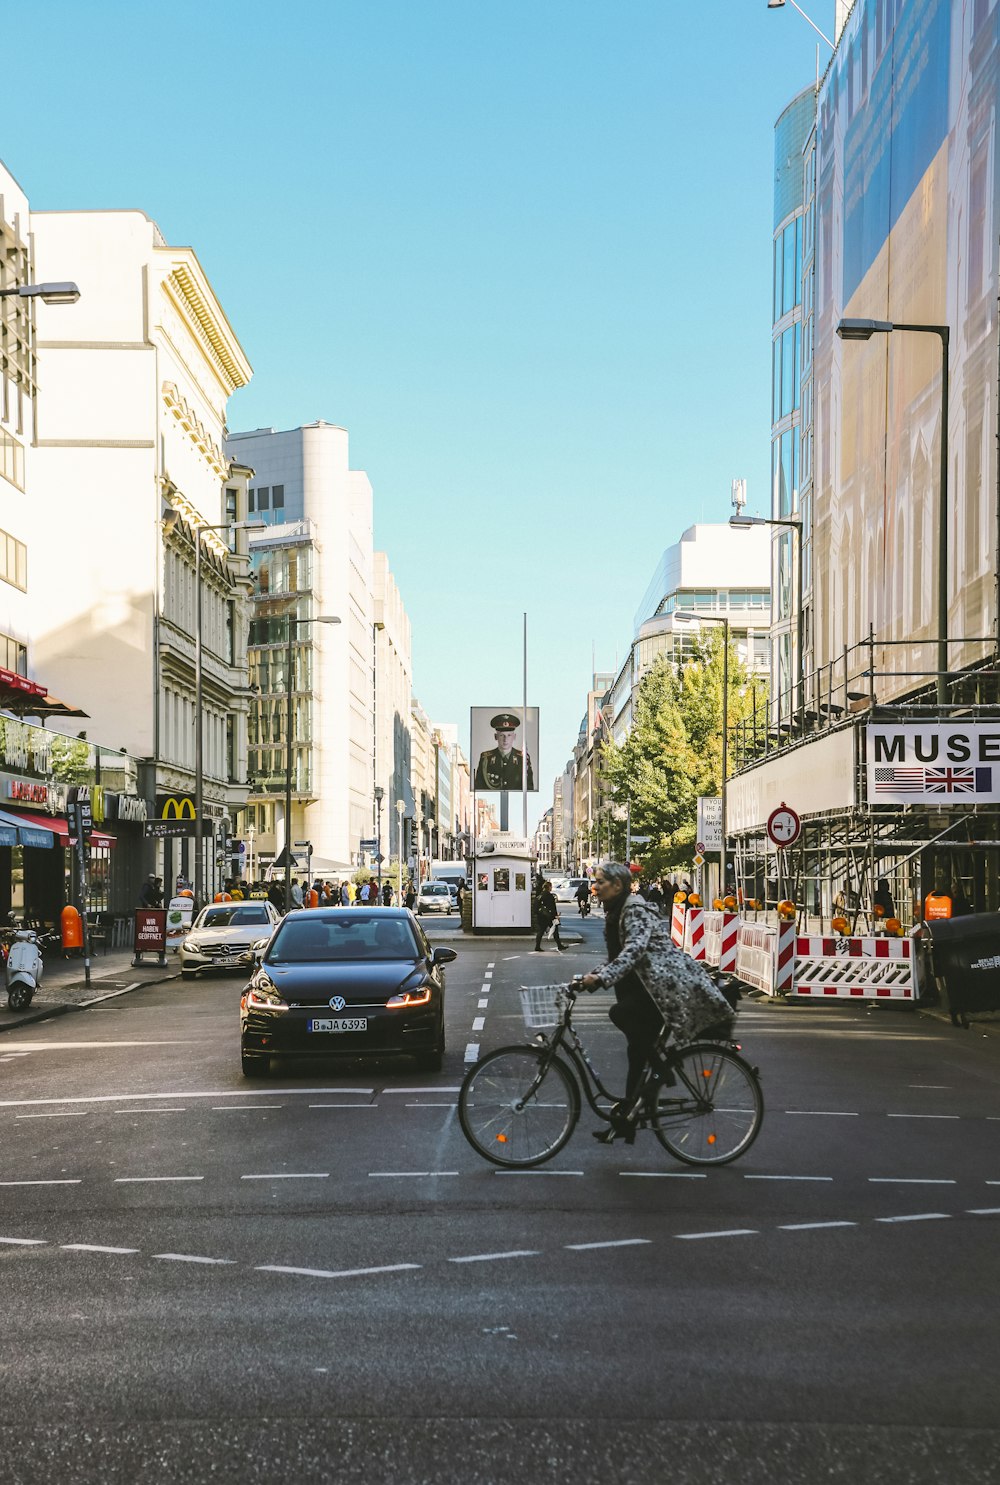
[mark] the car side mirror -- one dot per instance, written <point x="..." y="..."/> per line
<point x="443" y="956"/>
<point x="257" y="949"/>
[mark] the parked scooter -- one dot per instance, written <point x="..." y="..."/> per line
<point x="24" y="969"/>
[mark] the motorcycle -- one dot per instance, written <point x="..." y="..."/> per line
<point x="24" y="969"/>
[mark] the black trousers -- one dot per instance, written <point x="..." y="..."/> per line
<point x="543" y="929"/>
<point x="637" y="1015"/>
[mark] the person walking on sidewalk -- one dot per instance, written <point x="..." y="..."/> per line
<point x="547" y="910"/>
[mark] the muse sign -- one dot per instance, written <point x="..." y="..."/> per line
<point x="940" y="763"/>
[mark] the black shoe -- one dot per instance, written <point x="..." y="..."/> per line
<point x="537" y="949"/>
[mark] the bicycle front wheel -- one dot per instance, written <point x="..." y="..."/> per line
<point x="713" y="1110"/>
<point x="514" y="1110"/>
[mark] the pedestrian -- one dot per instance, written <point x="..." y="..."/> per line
<point x="296" y="894"/>
<point x="387" y="894"/>
<point x="411" y="895"/>
<point x="583" y="898"/>
<point x="882" y="902"/>
<point x="345" y="894"/>
<point x="151" y="895"/>
<point x="364" y="893"/>
<point x="459" y="894"/>
<point x="655" y="895"/>
<point x="547" y="916"/>
<point x="653" y="982"/>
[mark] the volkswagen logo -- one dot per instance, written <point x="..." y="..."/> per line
<point x="337" y="1002"/>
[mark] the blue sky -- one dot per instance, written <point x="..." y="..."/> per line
<point x="521" y="250"/>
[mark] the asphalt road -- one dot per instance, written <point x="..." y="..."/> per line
<point x="314" y="1278"/>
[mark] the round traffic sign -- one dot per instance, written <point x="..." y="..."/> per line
<point x="700" y="848"/>
<point x="783" y="825"/>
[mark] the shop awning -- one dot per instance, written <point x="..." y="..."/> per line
<point x="14" y="832"/>
<point x="30" y="698"/>
<point x="57" y="828"/>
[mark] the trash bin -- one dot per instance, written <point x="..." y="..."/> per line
<point x="965" y="954"/>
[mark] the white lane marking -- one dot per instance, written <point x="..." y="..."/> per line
<point x="74" y="1182"/>
<point x="436" y="1089"/>
<point x="620" y="1243"/>
<point x="983" y="1211"/>
<point x="824" y="1113"/>
<point x="491" y="966"/>
<point x="788" y="1178"/>
<point x="68" y="1114"/>
<point x="917" y="1217"/>
<point x="329" y="1273"/>
<point x="315" y="1175"/>
<point x="937" y="1087"/>
<point x="176" y="1041"/>
<point x="25" y="1242"/>
<point x="334" y="1106"/>
<point x="432" y="1105"/>
<point x="190" y="1258"/>
<point x="140" y="1180"/>
<point x="471" y="1052"/>
<point x="483" y="1005"/>
<point x="665" y="1175"/>
<point x="244" y="1108"/>
<point x="485" y="989"/>
<point x="133" y="1112"/>
<point x="94" y="1248"/>
<point x="812" y="1226"/>
<point x="479" y="1023"/>
<point x="911" y="1181"/>
<point x="25" y="1103"/>
<point x="727" y="1232"/>
<point x="385" y="1175"/>
<point x="492" y="1257"/>
<point x="923" y="1116"/>
<point x="538" y="1172"/>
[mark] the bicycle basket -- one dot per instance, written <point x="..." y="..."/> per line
<point x="538" y="1003"/>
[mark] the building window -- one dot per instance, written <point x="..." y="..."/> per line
<point x="11" y="459"/>
<point x="13" y="655"/>
<point x="264" y="498"/>
<point x="251" y="497"/>
<point x="278" y="497"/>
<point x="13" y="561"/>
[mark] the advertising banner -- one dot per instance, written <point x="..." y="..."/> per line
<point x="709" y="833"/>
<point x="937" y="763"/>
<point x="504" y="745"/>
<point x="150" y="931"/>
<point x="180" y="911"/>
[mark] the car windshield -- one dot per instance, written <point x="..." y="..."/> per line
<point x="232" y="915"/>
<point x="433" y="889"/>
<point x="338" y="936"/>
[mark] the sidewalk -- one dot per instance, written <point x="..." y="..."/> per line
<point x="64" y="986"/>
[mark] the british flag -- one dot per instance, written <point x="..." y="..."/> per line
<point x="957" y="780"/>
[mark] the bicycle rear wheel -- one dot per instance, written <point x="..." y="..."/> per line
<point x="713" y="1111"/>
<point x="512" y="1118"/>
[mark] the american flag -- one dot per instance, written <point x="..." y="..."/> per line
<point x="899" y="780"/>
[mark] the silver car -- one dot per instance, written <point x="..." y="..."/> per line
<point x="433" y="897"/>
<point x="222" y="936"/>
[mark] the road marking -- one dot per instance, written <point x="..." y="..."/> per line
<point x="432" y="1105"/>
<point x="916" y="1217"/>
<point x="74" y="1182"/>
<point x="333" y="1105"/>
<point x="472" y="1052"/>
<point x="25" y="1103"/>
<point x="665" y="1175"/>
<point x="138" y="1180"/>
<point x="190" y="1258"/>
<point x="25" y="1242"/>
<point x="385" y="1175"/>
<point x="538" y="1173"/>
<point x="923" y="1116"/>
<point x="94" y="1248"/>
<point x="983" y="1211"/>
<point x="824" y="1113"/>
<point x="911" y="1181"/>
<point x="812" y="1226"/>
<point x="788" y="1178"/>
<point x="620" y="1243"/>
<point x="67" y="1114"/>
<point x="327" y="1273"/>
<point x="937" y="1087"/>
<point x="728" y="1232"/>
<point x="483" y="1005"/>
<point x="437" y="1089"/>
<point x="492" y="1257"/>
<point x="491" y="966"/>
<point x="244" y="1108"/>
<point x="133" y="1112"/>
<point x="484" y="989"/>
<point x="321" y="1175"/>
<point x="479" y="1023"/>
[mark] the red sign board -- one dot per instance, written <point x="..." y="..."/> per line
<point x="150" y="931"/>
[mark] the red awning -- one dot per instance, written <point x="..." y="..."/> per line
<point x="31" y="698"/>
<point x="59" y="826"/>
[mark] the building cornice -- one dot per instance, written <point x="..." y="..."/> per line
<point x="188" y="288"/>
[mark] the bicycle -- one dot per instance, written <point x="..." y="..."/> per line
<point x="519" y="1105"/>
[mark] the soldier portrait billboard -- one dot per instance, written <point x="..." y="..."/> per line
<point x="504" y="747"/>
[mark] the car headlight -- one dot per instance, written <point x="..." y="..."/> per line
<point x="190" y="945"/>
<point x="264" y="998"/>
<point x="413" y="991"/>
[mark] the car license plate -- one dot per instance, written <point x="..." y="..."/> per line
<point x="339" y="1023"/>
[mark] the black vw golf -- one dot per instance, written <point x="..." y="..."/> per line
<point x="337" y="982"/>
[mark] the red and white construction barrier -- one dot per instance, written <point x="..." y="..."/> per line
<point x="784" y="959"/>
<point x="677" y="924"/>
<point x="694" y="933"/>
<point x="722" y="936"/>
<point x="861" y="968"/>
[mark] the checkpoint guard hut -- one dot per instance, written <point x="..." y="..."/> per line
<point x="501" y="884"/>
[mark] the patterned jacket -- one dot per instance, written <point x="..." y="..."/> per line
<point x="680" y="987"/>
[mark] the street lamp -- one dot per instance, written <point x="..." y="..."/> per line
<point x="864" y="330"/>
<point x="400" y="812"/>
<point x="62" y="293"/>
<point x="778" y="4"/>
<point x="293" y="625"/>
<point x="199" y="732"/>
<point x="379" y="794"/>
<point x="687" y="618"/>
<point x="793" y="523"/>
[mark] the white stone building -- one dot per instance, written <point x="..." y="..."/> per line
<point x="393" y="703"/>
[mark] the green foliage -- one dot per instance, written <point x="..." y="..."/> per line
<point x="673" y="753"/>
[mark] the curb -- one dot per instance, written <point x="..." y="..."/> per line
<point x="65" y="1008"/>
